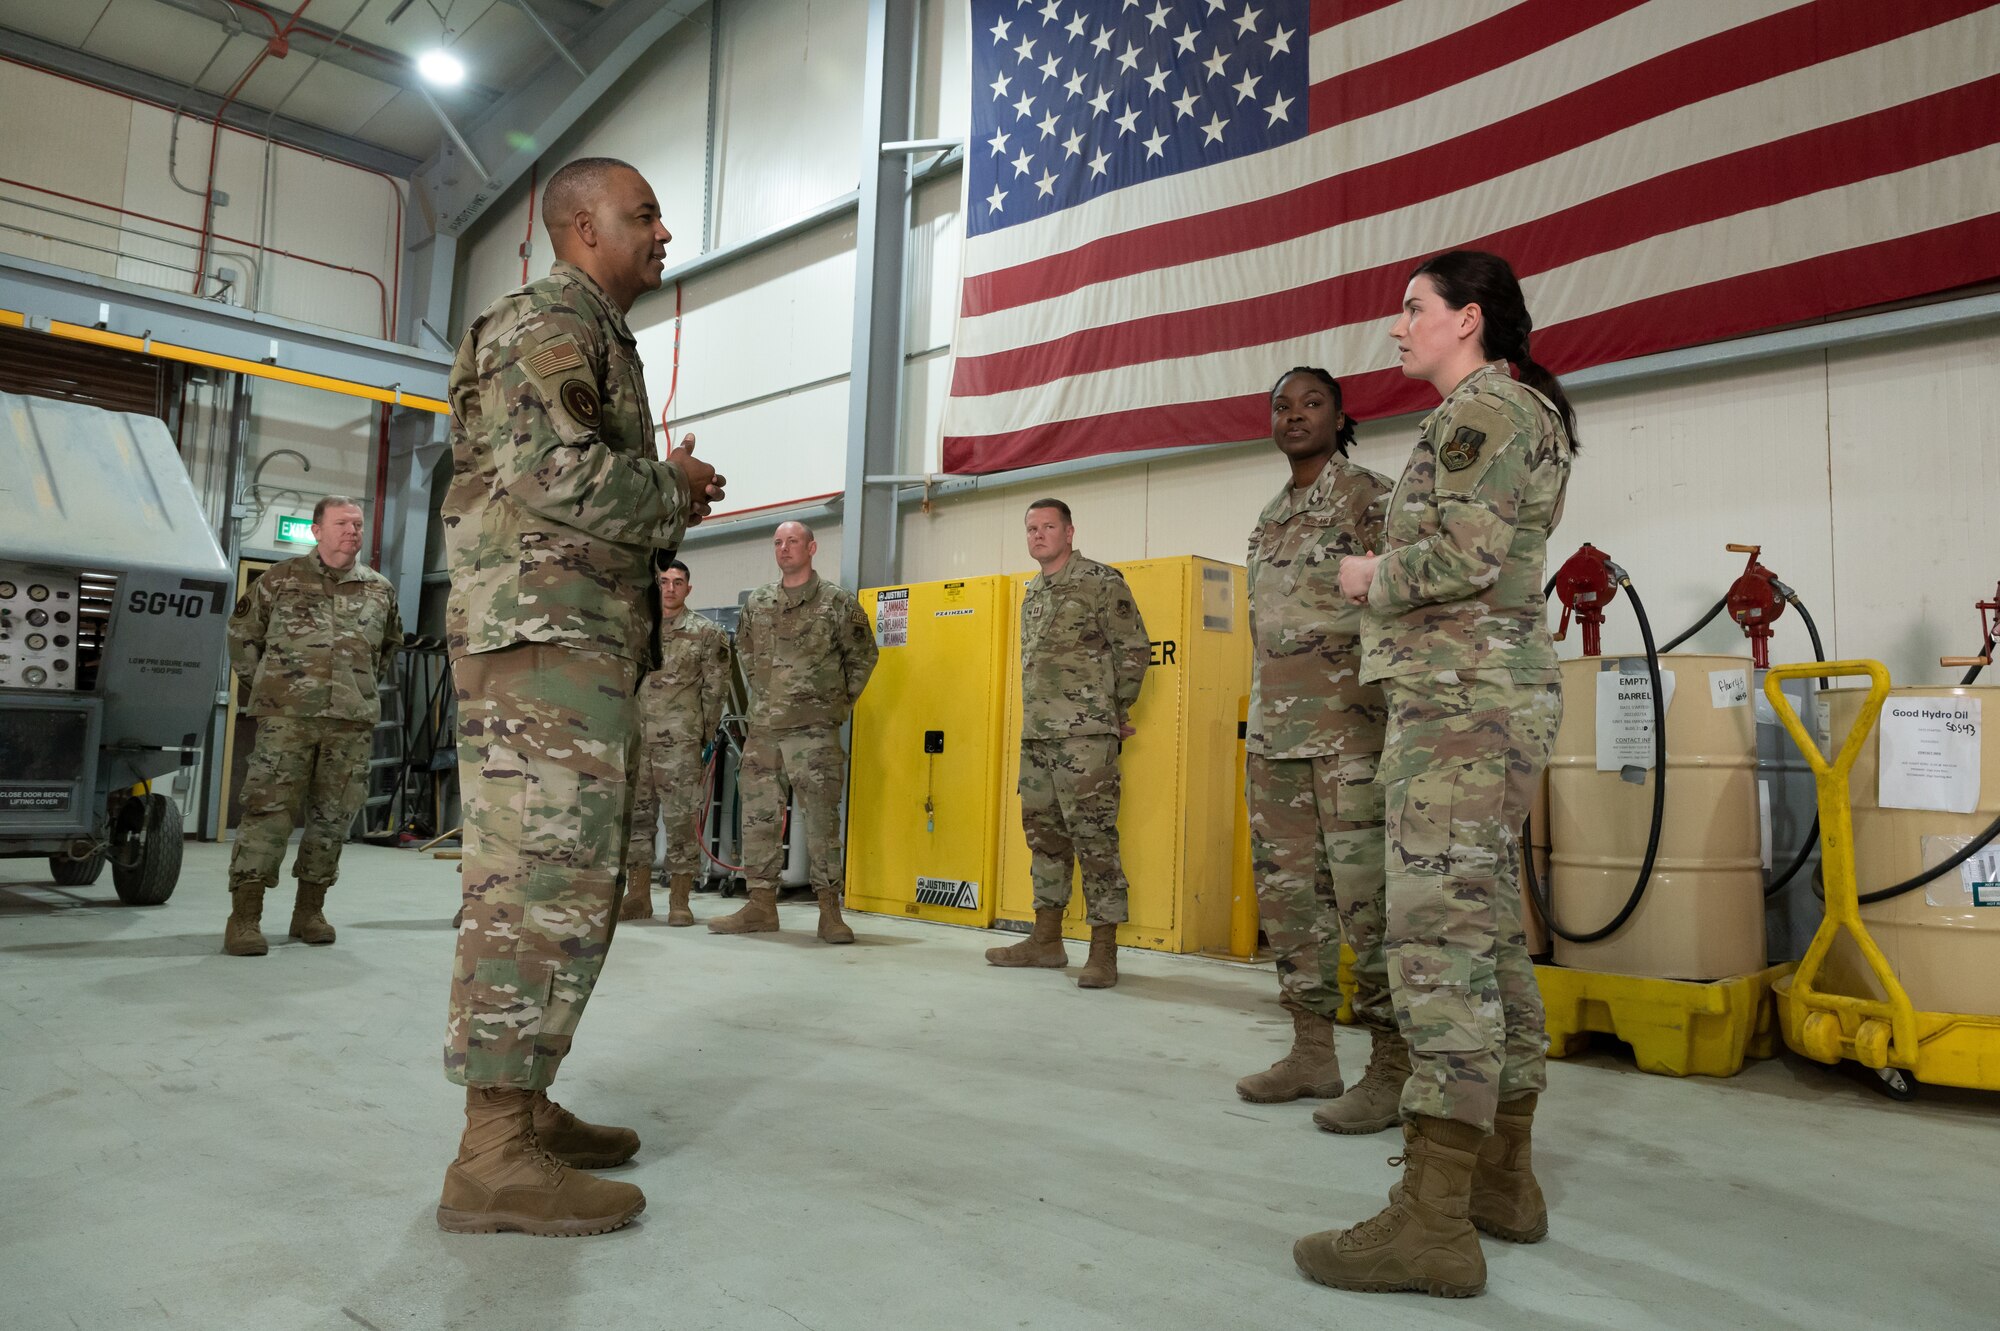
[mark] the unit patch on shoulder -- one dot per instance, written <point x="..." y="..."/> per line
<point x="1462" y="449"/>
<point x="242" y="603"/>
<point x="554" y="358"/>
<point x="579" y="399"/>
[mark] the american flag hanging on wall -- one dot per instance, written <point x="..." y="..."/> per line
<point x="1170" y="201"/>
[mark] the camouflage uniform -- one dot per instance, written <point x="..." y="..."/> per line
<point x="309" y="643"/>
<point x="1314" y="736"/>
<point x="556" y="508"/>
<point x="1084" y="654"/>
<point x="807" y="652"/>
<point x="680" y="705"/>
<point x="1456" y="632"/>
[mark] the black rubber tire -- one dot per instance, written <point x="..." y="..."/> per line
<point x="151" y="880"/>
<point x="76" y="873"/>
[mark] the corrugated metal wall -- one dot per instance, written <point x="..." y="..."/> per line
<point x="112" y="152"/>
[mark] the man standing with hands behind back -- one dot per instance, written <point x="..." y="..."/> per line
<point x="557" y="513"/>
<point x="1084" y="654"/>
<point x="807" y="650"/>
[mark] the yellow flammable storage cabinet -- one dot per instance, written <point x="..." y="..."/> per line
<point x="1182" y="784"/>
<point x="923" y="801"/>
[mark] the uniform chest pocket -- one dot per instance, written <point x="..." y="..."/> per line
<point x="298" y="618"/>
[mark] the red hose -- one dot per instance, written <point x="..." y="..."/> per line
<point x="708" y="794"/>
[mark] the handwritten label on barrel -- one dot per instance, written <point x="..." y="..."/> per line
<point x="1625" y="718"/>
<point x="1729" y="688"/>
<point x="1930" y="754"/>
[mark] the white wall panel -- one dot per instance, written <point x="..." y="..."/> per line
<point x="777" y="318"/>
<point x="782" y="450"/>
<point x="943" y="74"/>
<point x="788" y="115"/>
<point x="78" y="147"/>
<point x="654" y="117"/>
<point x="1914" y="433"/>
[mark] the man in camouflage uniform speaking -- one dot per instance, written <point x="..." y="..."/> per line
<point x="681" y="706"/>
<point x="557" y="510"/>
<point x="1084" y="654"/>
<point x="309" y="641"/>
<point x="807" y="651"/>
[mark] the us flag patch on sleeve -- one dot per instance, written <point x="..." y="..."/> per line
<point x="554" y="358"/>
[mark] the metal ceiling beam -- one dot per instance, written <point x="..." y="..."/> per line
<point x="45" y="291"/>
<point x="512" y="134"/>
<point x="361" y="57"/>
<point x="165" y="92"/>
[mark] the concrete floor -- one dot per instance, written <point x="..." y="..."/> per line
<point x="884" y="1136"/>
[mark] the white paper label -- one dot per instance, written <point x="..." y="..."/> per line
<point x="1625" y="718"/>
<point x="1930" y="754"/>
<point x="1729" y="688"/>
<point x="1977" y="882"/>
<point x="1823" y="725"/>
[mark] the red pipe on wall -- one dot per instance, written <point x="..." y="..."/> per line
<point x="277" y="44"/>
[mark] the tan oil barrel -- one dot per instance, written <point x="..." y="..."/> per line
<point x="1944" y="949"/>
<point x="1702" y="917"/>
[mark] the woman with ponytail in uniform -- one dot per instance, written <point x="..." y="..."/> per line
<point x="1456" y="632"/>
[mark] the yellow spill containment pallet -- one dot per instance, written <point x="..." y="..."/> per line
<point x="1678" y="1028"/>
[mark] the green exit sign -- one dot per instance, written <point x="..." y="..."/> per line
<point x="296" y="530"/>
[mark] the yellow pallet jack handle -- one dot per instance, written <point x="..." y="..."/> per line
<point x="1885" y="1030"/>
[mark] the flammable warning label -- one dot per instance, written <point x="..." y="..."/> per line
<point x="957" y="893"/>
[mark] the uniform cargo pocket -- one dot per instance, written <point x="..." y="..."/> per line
<point x="1451" y="741"/>
<point x="1359" y="802"/>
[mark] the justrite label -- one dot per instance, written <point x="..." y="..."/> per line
<point x="958" y="893"/>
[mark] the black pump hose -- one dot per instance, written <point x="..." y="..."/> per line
<point x="1937" y="871"/>
<point x="1543" y="896"/>
<point x="1699" y="625"/>
<point x="1986" y="651"/>
<point x="1777" y="884"/>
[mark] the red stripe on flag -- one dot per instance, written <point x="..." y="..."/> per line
<point x="1461" y="56"/>
<point x="1332" y="13"/>
<point x="1715" y="65"/>
<point x="1894" y="139"/>
<point x="1930" y="261"/>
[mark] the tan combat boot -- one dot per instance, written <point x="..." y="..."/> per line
<point x="638" y="902"/>
<point x="1310" y="1070"/>
<point x="578" y="1144"/>
<point x="241" y="937"/>
<point x="758" y="916"/>
<point x="678" y="914"/>
<point x="1424" y="1239"/>
<point x="832" y="929"/>
<point x="1506" y="1200"/>
<point x="1100" y="969"/>
<point x="504" y="1180"/>
<point x="1371" y="1104"/>
<point x="308" y="919"/>
<point x="1043" y="947"/>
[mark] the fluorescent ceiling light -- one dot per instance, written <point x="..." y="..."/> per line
<point x="442" y="68"/>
